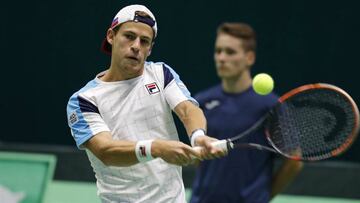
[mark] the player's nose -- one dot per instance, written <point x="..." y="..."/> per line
<point x="220" y="56"/>
<point x="135" y="46"/>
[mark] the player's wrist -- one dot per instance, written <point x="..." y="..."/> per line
<point x="156" y="150"/>
<point x="143" y="150"/>
<point x="195" y="134"/>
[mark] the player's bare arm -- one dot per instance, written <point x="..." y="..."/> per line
<point x="285" y="175"/>
<point x="193" y="119"/>
<point x="112" y="152"/>
<point x="122" y="153"/>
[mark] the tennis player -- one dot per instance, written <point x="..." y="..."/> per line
<point x="230" y="108"/>
<point x="123" y="118"/>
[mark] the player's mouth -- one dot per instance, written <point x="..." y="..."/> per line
<point x="133" y="58"/>
<point x="222" y="68"/>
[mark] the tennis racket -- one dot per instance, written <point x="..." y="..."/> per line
<point x="309" y="123"/>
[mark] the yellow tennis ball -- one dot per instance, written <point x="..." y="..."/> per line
<point x="263" y="84"/>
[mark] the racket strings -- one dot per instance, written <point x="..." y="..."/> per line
<point x="312" y="124"/>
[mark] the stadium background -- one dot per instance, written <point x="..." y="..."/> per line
<point x="51" y="48"/>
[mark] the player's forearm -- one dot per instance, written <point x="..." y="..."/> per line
<point x="191" y="116"/>
<point x="194" y="120"/>
<point x="112" y="152"/>
<point x="119" y="153"/>
<point x="284" y="176"/>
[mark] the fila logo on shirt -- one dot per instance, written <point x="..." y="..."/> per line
<point x="152" y="88"/>
<point x="73" y="118"/>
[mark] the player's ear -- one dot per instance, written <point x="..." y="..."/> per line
<point x="152" y="45"/>
<point x="110" y="34"/>
<point x="250" y="58"/>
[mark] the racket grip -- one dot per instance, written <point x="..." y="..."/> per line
<point x="225" y="145"/>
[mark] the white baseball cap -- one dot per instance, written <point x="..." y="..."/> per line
<point x="130" y="13"/>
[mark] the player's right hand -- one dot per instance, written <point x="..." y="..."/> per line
<point x="174" y="152"/>
<point x="209" y="151"/>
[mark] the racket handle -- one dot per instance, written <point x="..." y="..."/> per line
<point x="225" y="145"/>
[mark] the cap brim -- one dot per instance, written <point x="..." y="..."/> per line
<point x="106" y="47"/>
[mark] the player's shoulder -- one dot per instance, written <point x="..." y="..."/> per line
<point x="154" y="66"/>
<point x="88" y="87"/>
<point x="209" y="93"/>
<point x="162" y="71"/>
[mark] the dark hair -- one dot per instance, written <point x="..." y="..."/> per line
<point x="242" y="31"/>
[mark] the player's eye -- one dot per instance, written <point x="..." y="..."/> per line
<point x="230" y="51"/>
<point x="145" y="42"/>
<point x="129" y="36"/>
<point x="217" y="51"/>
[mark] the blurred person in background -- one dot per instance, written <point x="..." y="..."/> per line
<point x="230" y="108"/>
<point x="122" y="118"/>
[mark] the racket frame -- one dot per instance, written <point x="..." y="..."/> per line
<point x="342" y="148"/>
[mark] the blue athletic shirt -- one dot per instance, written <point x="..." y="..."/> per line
<point x="244" y="175"/>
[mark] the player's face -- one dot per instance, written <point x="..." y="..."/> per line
<point x="131" y="46"/>
<point x="230" y="57"/>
